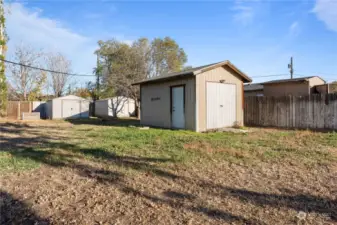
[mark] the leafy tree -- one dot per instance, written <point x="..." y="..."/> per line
<point x="83" y="93"/>
<point x="91" y="87"/>
<point x="124" y="64"/>
<point x="187" y="68"/>
<point x="36" y="93"/>
<point x="166" y="57"/>
<point x="3" y="48"/>
<point x="97" y="86"/>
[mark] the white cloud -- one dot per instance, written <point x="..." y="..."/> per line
<point x="326" y="11"/>
<point x="244" y="14"/>
<point x="244" y="11"/>
<point x="28" y="26"/>
<point x="294" y="29"/>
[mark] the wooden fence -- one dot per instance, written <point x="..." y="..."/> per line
<point x="16" y="108"/>
<point x="313" y="112"/>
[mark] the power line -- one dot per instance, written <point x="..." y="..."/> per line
<point x="297" y="74"/>
<point x="319" y="74"/>
<point x="92" y="75"/>
<point x="272" y="75"/>
<point x="46" y="70"/>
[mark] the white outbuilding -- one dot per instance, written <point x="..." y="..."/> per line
<point x="110" y="107"/>
<point x="67" y="107"/>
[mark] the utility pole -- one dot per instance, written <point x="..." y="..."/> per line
<point x="291" y="68"/>
<point x="98" y="71"/>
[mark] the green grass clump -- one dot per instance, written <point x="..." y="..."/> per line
<point x="110" y="143"/>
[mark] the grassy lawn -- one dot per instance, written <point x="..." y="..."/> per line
<point x="94" y="172"/>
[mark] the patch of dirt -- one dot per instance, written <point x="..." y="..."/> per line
<point x="131" y="190"/>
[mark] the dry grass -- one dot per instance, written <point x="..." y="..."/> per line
<point x="73" y="173"/>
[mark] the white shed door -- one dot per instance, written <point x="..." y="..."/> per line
<point x="71" y="109"/>
<point x="221" y="105"/>
<point x="178" y="112"/>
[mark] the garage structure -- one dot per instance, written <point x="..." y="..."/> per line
<point x="199" y="99"/>
<point x="118" y="106"/>
<point x="67" y="107"/>
<point x="302" y="86"/>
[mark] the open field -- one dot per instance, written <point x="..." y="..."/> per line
<point x="92" y="172"/>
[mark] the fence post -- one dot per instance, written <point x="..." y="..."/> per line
<point x="19" y="110"/>
<point x="293" y="113"/>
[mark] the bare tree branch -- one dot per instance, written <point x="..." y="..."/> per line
<point x="25" y="80"/>
<point x="58" y="81"/>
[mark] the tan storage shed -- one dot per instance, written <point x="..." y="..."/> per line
<point x="203" y="98"/>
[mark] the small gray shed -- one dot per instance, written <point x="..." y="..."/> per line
<point x="67" y="107"/>
<point x="120" y="105"/>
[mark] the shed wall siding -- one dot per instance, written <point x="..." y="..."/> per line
<point x="49" y="109"/>
<point x="322" y="89"/>
<point x="57" y="108"/>
<point x="101" y="108"/>
<point x="315" y="81"/>
<point x="216" y="75"/>
<point x="156" y="103"/>
<point x="286" y="89"/>
<point x="104" y="108"/>
<point x="85" y="106"/>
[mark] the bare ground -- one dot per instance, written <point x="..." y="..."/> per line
<point x="140" y="190"/>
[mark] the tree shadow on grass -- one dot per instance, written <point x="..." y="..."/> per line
<point x="298" y="202"/>
<point x="106" y="122"/>
<point x="44" y="150"/>
<point x="47" y="149"/>
<point x="145" y="164"/>
<point x="210" y="212"/>
<point x="292" y="200"/>
<point x="14" y="211"/>
<point x="12" y="128"/>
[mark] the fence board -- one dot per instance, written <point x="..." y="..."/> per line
<point x="16" y="108"/>
<point x="314" y="112"/>
<point x="12" y="109"/>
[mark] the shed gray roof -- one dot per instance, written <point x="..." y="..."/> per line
<point x="196" y="71"/>
<point x="292" y="80"/>
<point x="253" y="87"/>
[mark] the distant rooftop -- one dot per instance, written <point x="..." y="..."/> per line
<point x="253" y="87"/>
<point x="299" y="79"/>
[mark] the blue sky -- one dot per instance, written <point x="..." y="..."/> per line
<point x="257" y="36"/>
